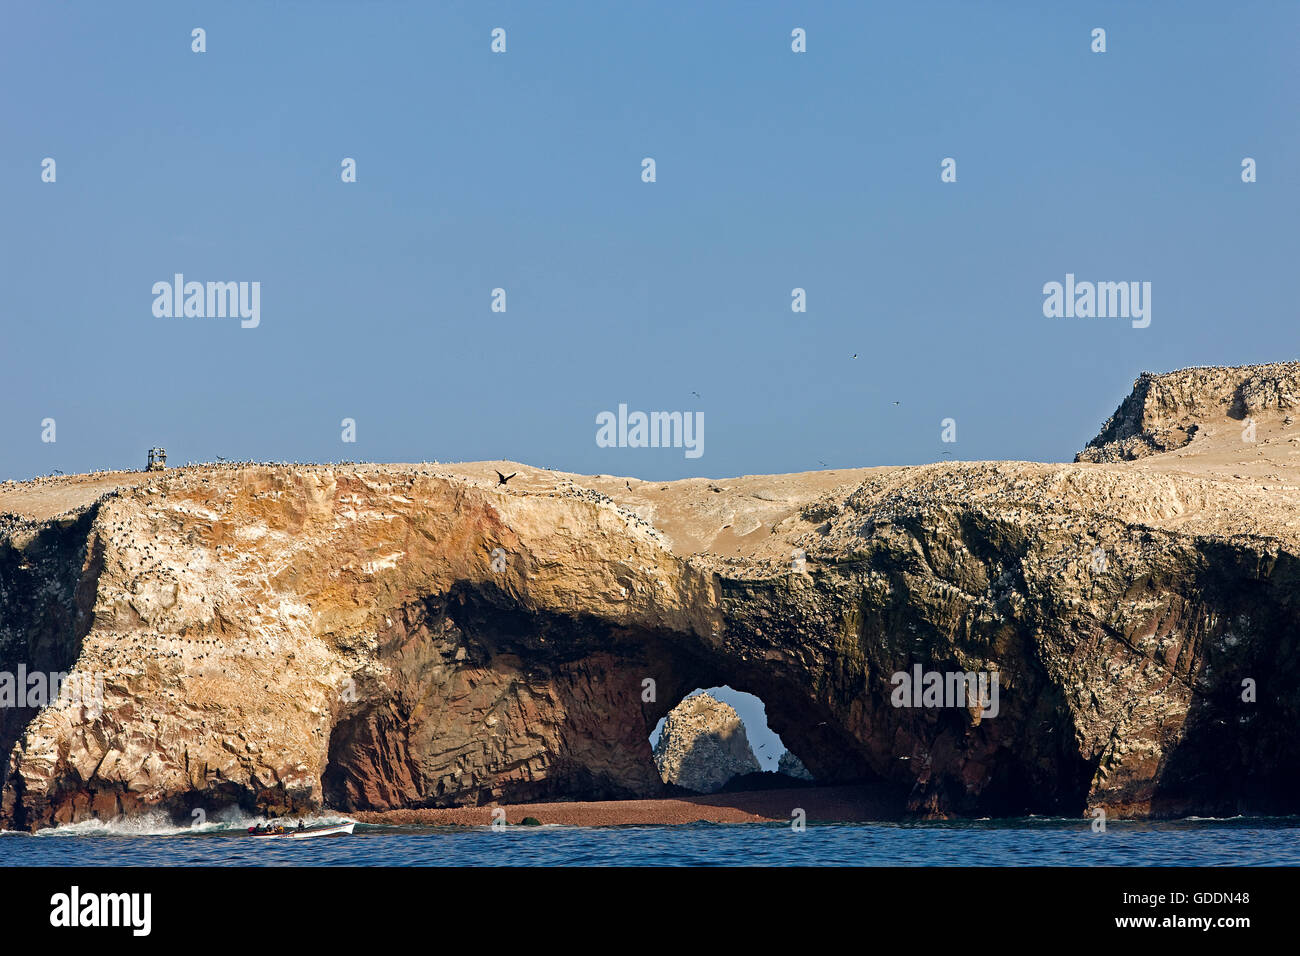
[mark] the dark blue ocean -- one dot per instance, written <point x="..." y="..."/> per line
<point x="1035" y="841"/>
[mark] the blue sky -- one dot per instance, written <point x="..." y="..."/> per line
<point x="522" y="171"/>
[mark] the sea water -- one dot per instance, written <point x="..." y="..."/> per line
<point x="1033" y="841"/>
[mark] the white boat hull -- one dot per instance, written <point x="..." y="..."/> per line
<point x="341" y="829"/>
<point x="338" y="829"/>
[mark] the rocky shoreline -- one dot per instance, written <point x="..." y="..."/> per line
<point x="843" y="804"/>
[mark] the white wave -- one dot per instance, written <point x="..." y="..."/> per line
<point x="158" y="823"/>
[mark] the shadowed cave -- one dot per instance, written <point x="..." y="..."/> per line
<point x="487" y="702"/>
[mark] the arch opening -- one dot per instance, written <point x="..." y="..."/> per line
<point x="718" y="738"/>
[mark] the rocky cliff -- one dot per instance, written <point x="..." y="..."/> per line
<point x="377" y="637"/>
<point x="1165" y="412"/>
<point x="703" y="745"/>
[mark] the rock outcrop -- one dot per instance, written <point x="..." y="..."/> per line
<point x="703" y="745"/>
<point x="1164" y="412"/>
<point x="404" y="636"/>
<point x="792" y="766"/>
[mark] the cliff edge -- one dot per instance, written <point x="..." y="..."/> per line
<point x="1165" y="412"/>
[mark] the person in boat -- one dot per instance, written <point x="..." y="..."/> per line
<point x="301" y="825"/>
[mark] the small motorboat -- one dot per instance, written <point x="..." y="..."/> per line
<point x="306" y="833"/>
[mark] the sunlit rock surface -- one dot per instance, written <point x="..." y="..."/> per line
<point x="398" y="636"/>
<point x="703" y="745"/>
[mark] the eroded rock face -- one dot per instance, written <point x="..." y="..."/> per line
<point x="703" y="745"/>
<point x="1164" y="412"/>
<point x="380" y="636"/>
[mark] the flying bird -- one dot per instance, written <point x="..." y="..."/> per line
<point x="855" y="355"/>
<point x="696" y="394"/>
<point x="505" y="478"/>
<point x="221" y="458"/>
